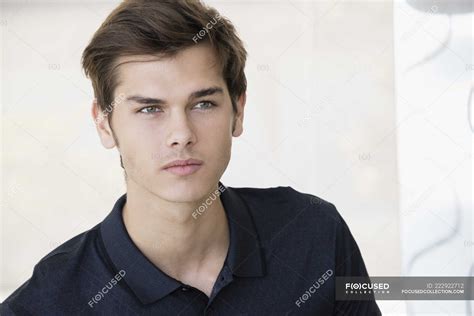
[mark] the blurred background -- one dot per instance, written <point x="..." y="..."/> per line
<point x="367" y="104"/>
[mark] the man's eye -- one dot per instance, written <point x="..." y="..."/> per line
<point x="206" y="105"/>
<point x="149" y="110"/>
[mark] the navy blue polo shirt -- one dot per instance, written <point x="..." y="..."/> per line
<point x="286" y="247"/>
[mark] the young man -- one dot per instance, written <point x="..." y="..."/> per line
<point x="169" y="82"/>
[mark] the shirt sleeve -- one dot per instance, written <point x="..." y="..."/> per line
<point x="349" y="262"/>
<point x="7" y="310"/>
<point x="17" y="303"/>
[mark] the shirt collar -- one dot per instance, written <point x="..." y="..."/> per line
<point x="244" y="258"/>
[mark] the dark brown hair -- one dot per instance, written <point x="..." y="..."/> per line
<point x="162" y="28"/>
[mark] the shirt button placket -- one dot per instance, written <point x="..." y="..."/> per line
<point x="209" y="311"/>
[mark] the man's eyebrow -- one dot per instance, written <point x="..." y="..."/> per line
<point x="196" y="94"/>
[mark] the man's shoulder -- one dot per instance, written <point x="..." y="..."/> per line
<point x="286" y="201"/>
<point x="288" y="221"/>
<point x="284" y="216"/>
<point x="54" y="274"/>
<point x="70" y="252"/>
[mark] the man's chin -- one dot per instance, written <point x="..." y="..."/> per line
<point x="185" y="190"/>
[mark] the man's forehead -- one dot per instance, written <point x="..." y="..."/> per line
<point x="143" y="75"/>
<point x="197" y="56"/>
<point x="124" y="60"/>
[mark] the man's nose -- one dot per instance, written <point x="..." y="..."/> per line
<point x="181" y="130"/>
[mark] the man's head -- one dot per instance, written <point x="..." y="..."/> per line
<point x="169" y="82"/>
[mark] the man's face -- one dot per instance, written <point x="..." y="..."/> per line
<point x="152" y="133"/>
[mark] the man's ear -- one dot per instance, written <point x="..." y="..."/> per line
<point x="239" y="116"/>
<point x="102" y="124"/>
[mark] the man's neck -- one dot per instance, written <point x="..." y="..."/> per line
<point x="173" y="239"/>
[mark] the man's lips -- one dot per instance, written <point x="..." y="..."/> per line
<point x="183" y="167"/>
<point x="185" y="162"/>
<point x="183" y="170"/>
